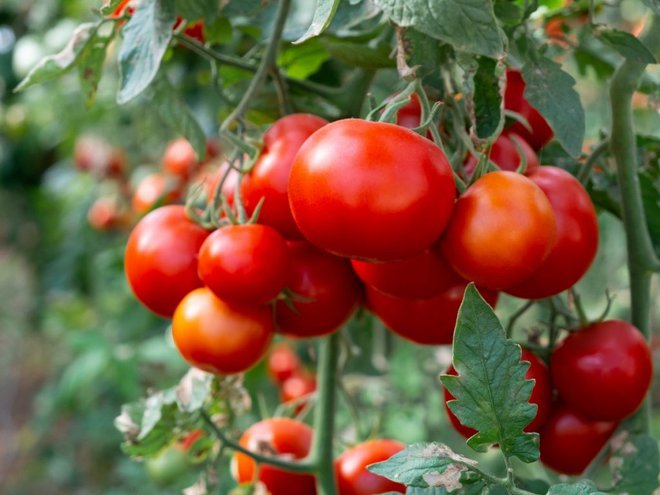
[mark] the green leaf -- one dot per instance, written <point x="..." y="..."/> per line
<point x="90" y="64"/>
<point x="654" y="5"/>
<point x="424" y="465"/>
<point x="627" y="45"/>
<point x="323" y="14"/>
<point x="242" y="8"/>
<point x="550" y="90"/>
<point x="360" y="55"/>
<point x="58" y="64"/>
<point x="301" y="61"/>
<point x="487" y="98"/>
<point x="584" y="487"/>
<point x="178" y="115"/>
<point x="468" y="25"/>
<point x="193" y="10"/>
<point x="146" y="38"/>
<point x="635" y="464"/>
<point x="491" y="391"/>
<point x="649" y="181"/>
<point x="540" y="487"/>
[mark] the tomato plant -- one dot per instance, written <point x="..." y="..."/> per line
<point x="508" y="152"/>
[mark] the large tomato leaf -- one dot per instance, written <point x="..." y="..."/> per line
<point x="90" y="63"/>
<point x="487" y="98"/>
<point x="323" y="15"/>
<point x="584" y="487"/>
<point x="627" y="45"/>
<point x="193" y="10"/>
<point x="635" y="464"/>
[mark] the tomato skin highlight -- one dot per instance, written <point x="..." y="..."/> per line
<point x="161" y="258"/>
<point x="371" y="190"/>
<point x="329" y="290"/>
<point x="353" y="478"/>
<point x="504" y="153"/>
<point x="219" y="337"/>
<point x="541" y="395"/>
<point x="244" y="263"/>
<point x="604" y="370"/>
<point x="577" y="236"/>
<point x="502" y="230"/>
<point x="423" y="321"/>
<point x="269" y="178"/>
<point x="278" y="436"/>
<point x="569" y="441"/>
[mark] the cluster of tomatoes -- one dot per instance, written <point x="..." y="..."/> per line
<point x="296" y="384"/>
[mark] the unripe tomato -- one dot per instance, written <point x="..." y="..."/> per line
<point x="424" y="321"/>
<point x="326" y="293"/>
<point x="219" y="337"/>
<point x="281" y="437"/>
<point x="168" y="466"/>
<point x="421" y="277"/>
<point x="298" y="387"/>
<point x="351" y="468"/>
<point x="161" y="258"/>
<point x="282" y="362"/>
<point x="502" y="230"/>
<point x="371" y="190"/>
<point x="179" y="159"/>
<point x="577" y="236"/>
<point x="269" y="177"/>
<point x="604" y="370"/>
<point x="504" y="153"/>
<point x="569" y="441"/>
<point x="541" y="395"/>
<point x="154" y="190"/>
<point x="515" y="100"/>
<point x="245" y="264"/>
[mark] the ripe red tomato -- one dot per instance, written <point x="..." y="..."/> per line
<point x="269" y="177"/>
<point x="515" y="100"/>
<point x="282" y="362"/>
<point x="327" y="289"/>
<point x="179" y="159"/>
<point x="410" y="115"/>
<point x="105" y="214"/>
<point x="97" y="156"/>
<point x="569" y="441"/>
<point x="424" y="321"/>
<point x="276" y="436"/>
<point x="577" y="236"/>
<point x="220" y="337"/>
<point x="504" y="153"/>
<point x="371" y="190"/>
<point x="501" y="231"/>
<point x="298" y="388"/>
<point x="154" y="190"/>
<point x="421" y="277"/>
<point x="161" y="258"/>
<point x="245" y="264"/>
<point x="194" y="30"/>
<point x="541" y="395"/>
<point x="604" y="370"/>
<point x="351" y="468"/>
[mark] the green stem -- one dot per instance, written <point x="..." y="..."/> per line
<point x="641" y="256"/>
<point x="514" y="317"/>
<point x="595" y="155"/>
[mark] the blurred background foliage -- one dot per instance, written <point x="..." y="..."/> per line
<point x="75" y="345"/>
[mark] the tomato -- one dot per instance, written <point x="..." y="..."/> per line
<point x="326" y="293"/>
<point x="421" y="277"/>
<point x="220" y="337"/>
<point x="351" y="468"/>
<point x="424" y="321"/>
<point x="298" y="388"/>
<point x="161" y="258"/>
<point x="577" y="236"/>
<point x="410" y="115"/>
<point x="269" y="177"/>
<point x="104" y="214"/>
<point x="95" y="155"/>
<point x="515" y="100"/>
<point x="209" y="178"/>
<point x="154" y="190"/>
<point x="124" y="5"/>
<point x="502" y="230"/>
<point x="244" y="263"/>
<point x="179" y="159"/>
<point x="604" y="370"/>
<point x="168" y="466"/>
<point x="282" y="362"/>
<point x="282" y="437"/>
<point x="569" y="441"/>
<point x="504" y="153"/>
<point x="194" y="30"/>
<point x="541" y="395"/>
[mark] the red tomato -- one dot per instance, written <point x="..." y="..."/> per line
<point x="282" y="362"/>
<point x="504" y="153"/>
<point x="541" y="395"/>
<point x="410" y="115"/>
<point x="371" y="190"/>
<point x="351" y="468"/>
<point x="515" y="100"/>
<point x="179" y="159"/>
<point x="161" y="258"/>
<point x="276" y="436"/>
<point x="97" y="156"/>
<point x="152" y="191"/>
<point x="209" y="178"/>
<point x="195" y="30"/>
<point x="327" y="289"/>
<point x="569" y="441"/>
<point x="577" y="236"/>
<point x="124" y="5"/>
<point x="603" y="371"/>
<point x="270" y="175"/>
<point x="219" y="337"/>
<point x="421" y="277"/>
<point x="298" y="387"/>
<point x="502" y="230"/>
<point x="104" y="214"/>
<point x="424" y="321"/>
<point x="244" y="263"/>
